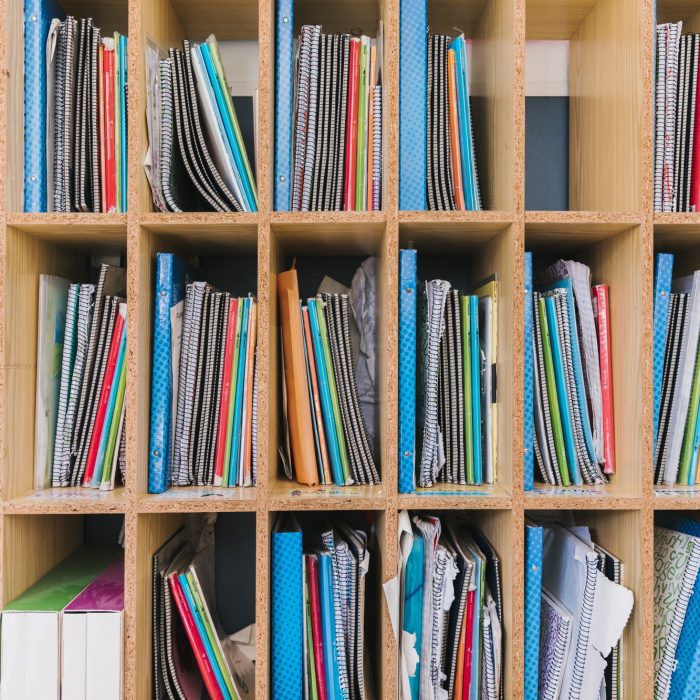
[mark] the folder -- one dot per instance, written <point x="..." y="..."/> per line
<point x="533" y="600"/>
<point x="284" y="81"/>
<point x="528" y="379"/>
<point x="662" y="297"/>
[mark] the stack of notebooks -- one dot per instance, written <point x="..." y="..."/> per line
<point x="576" y="608"/>
<point x="81" y="380"/>
<point x="676" y="374"/>
<point x="451" y="610"/>
<point x="64" y="636"/>
<point x="204" y="384"/>
<point x="192" y="655"/>
<point x="318" y="612"/>
<point x="75" y="113"/>
<point x="452" y="179"/>
<point x="676" y="608"/>
<point x="196" y="159"/>
<point x="436" y="141"/>
<point x="455" y="415"/>
<point x="570" y="368"/>
<point x="327" y="439"/>
<point x="328" y="119"/>
<point x="677" y="144"/>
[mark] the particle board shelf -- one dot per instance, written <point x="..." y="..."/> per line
<point x="611" y="226"/>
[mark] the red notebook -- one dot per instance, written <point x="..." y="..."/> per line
<point x="109" y="133"/>
<point x="316" y="632"/>
<point x="351" y="125"/>
<point x="225" y="392"/>
<point x="601" y="311"/>
<point x="98" y="425"/>
<point x="469" y="634"/>
<point x="195" y="640"/>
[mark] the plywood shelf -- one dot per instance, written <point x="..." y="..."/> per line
<point x="611" y="226"/>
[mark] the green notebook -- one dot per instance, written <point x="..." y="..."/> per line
<point x="553" y="397"/>
<point x="64" y="582"/>
<point x="691" y="420"/>
<point x="467" y="381"/>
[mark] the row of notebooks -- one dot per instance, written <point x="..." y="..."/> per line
<point x="569" y="422"/>
<point x="676" y="608"/>
<point x="64" y="636"/>
<point x="677" y="143"/>
<point x="337" y="141"/>
<point x="576" y="610"/>
<point x="676" y="374"/>
<point x="81" y="381"/>
<point x="451" y="611"/>
<point x="196" y="159"/>
<point x="204" y="383"/>
<point x="75" y="113"/>
<point x="193" y="657"/>
<point x="447" y="406"/>
<point x="436" y="140"/>
<point x="319" y="613"/>
<point x="326" y="439"/>
<point x="452" y="180"/>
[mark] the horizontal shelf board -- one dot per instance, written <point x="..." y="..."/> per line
<point x="322" y="233"/>
<point x="197" y="222"/>
<point x="70" y="225"/>
<point x="199" y="499"/>
<point x="677" y="497"/>
<point x="581" y="497"/>
<point x="456" y="496"/>
<point x="68" y="500"/>
<point x="286" y="495"/>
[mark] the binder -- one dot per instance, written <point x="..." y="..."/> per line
<point x="533" y="599"/>
<point x="408" y="288"/>
<point x="662" y="298"/>
<point x="413" y="39"/>
<point x="529" y="380"/>
<point x="284" y="81"/>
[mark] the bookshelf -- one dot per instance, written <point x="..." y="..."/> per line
<point x="610" y="225"/>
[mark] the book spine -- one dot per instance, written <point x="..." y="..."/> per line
<point x="695" y="155"/>
<point x="284" y="80"/>
<point x="316" y="629"/>
<point x="109" y="156"/>
<point x="601" y="308"/>
<point x="662" y="298"/>
<point x="351" y="128"/>
<point x="528" y="382"/>
<point x="225" y="393"/>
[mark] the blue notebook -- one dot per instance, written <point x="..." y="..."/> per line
<point x="528" y="379"/>
<point x="284" y="80"/>
<point x="413" y="603"/>
<point x="413" y="90"/>
<point x="330" y="642"/>
<point x="567" y="426"/>
<point x="408" y="290"/>
<point x="287" y="587"/>
<point x="37" y="20"/>
<point x="533" y="602"/>
<point x="662" y="297"/>
<point x="172" y="275"/>
<point x="685" y="681"/>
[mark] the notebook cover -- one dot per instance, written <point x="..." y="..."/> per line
<point x="227" y="477"/>
<point x="37" y="20"/>
<point x="694" y="194"/>
<point x="106" y="455"/>
<point x="110" y="133"/>
<point x="286" y="615"/>
<point x="123" y="75"/>
<point x="476" y="385"/>
<point x="413" y="80"/>
<point x="528" y="382"/>
<point x="105" y="593"/>
<point x="248" y="395"/>
<point x="408" y="290"/>
<point x="352" y="124"/>
<point x="235" y="476"/>
<point x="328" y="622"/>
<point x="533" y="598"/>
<point x="284" y="82"/>
<point x="360" y="181"/>
<point x="316" y="624"/>
<point x="555" y="638"/>
<point x="662" y="297"/>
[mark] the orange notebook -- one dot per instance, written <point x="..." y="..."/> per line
<point x="454" y="132"/>
<point x="301" y="433"/>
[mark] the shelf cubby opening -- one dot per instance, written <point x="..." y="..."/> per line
<point x="235" y="26"/>
<point x="619" y="532"/>
<point x="335" y="250"/>
<point x="469" y="256"/>
<point x="614" y="254"/>
<point x="35" y="544"/>
<point x="606" y="131"/>
<point x="235" y="578"/>
<point x="226" y="256"/>
<point x="108" y="15"/>
<point x="72" y="252"/>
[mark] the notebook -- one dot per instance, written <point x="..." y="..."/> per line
<point x="533" y="602"/>
<point x="529" y="379"/>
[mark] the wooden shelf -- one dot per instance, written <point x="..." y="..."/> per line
<point x="611" y="226"/>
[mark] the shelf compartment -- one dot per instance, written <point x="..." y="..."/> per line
<point x="235" y="586"/>
<point x="686" y="11"/>
<point x="615" y="254"/>
<point x="320" y="252"/>
<point x="606" y="101"/>
<point x="466" y="256"/>
<point x="28" y="254"/>
<point x="227" y="257"/>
